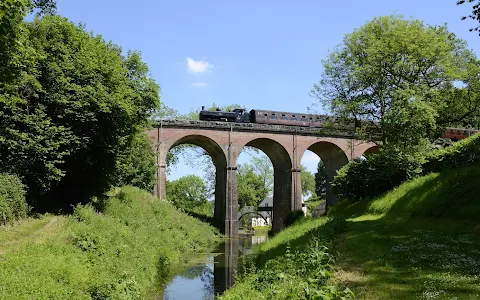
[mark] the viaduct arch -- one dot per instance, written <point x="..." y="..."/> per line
<point x="284" y="145"/>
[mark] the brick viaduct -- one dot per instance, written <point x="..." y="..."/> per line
<point x="284" y="145"/>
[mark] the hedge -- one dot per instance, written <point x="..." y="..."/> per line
<point x="361" y="179"/>
<point x="13" y="205"/>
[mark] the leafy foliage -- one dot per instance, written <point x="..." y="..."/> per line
<point x="125" y="252"/>
<point x="302" y="271"/>
<point x="362" y="179"/>
<point x="308" y="181"/>
<point x="251" y="187"/>
<point x="13" y="205"/>
<point x="475" y="15"/>
<point x="136" y="164"/>
<point x="395" y="79"/>
<point x="293" y="216"/>
<point x="462" y="153"/>
<point x="187" y="192"/>
<point x="75" y="108"/>
<point x="320" y="179"/>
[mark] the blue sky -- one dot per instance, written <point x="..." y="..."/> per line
<point x="261" y="54"/>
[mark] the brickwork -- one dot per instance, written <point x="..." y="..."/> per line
<point x="284" y="145"/>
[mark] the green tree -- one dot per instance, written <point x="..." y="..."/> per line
<point x="71" y="113"/>
<point x="475" y="15"/>
<point x="262" y="166"/>
<point x="251" y="187"/>
<point x="308" y="182"/>
<point x="187" y="192"/>
<point x="136" y="164"/>
<point x="395" y="76"/>
<point x="320" y="179"/>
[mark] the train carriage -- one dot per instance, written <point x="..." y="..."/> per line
<point x="286" y="118"/>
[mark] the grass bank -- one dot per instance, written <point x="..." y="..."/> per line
<point x="418" y="241"/>
<point x="122" y="253"/>
<point x="294" y="264"/>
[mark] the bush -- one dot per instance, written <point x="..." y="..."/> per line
<point x="136" y="164"/>
<point x="293" y="216"/>
<point x="362" y="179"/>
<point x="13" y="205"/>
<point x="462" y="153"/>
<point x="381" y="172"/>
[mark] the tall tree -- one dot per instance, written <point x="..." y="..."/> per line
<point x="394" y="77"/>
<point x="187" y="192"/>
<point x="320" y="179"/>
<point x="72" y="112"/>
<point x="262" y="166"/>
<point x="251" y="187"/>
<point x="308" y="181"/>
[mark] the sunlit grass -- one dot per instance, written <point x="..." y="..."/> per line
<point x="418" y="241"/>
<point x="137" y="242"/>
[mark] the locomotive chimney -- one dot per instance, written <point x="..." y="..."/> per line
<point x="203" y="107"/>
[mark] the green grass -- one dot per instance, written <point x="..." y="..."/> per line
<point x="262" y="230"/>
<point x="294" y="264"/>
<point x="124" y="252"/>
<point x="312" y="205"/>
<point x="418" y="241"/>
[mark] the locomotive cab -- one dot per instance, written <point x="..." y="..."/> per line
<point x="237" y="115"/>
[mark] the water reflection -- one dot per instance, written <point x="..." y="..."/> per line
<point x="213" y="277"/>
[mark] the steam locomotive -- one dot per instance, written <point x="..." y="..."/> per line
<point x="258" y="116"/>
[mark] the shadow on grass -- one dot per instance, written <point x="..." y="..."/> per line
<point x="425" y="245"/>
<point x="206" y="219"/>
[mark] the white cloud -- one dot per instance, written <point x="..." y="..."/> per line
<point x="198" y="66"/>
<point x="199" y="84"/>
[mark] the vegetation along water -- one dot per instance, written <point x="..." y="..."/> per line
<point x="78" y="215"/>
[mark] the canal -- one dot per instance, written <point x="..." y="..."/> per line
<point x="215" y="271"/>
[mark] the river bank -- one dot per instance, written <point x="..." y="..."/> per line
<point x="211" y="274"/>
<point x="128" y="249"/>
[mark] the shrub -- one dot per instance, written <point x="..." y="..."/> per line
<point x="293" y="217"/>
<point x="362" y="179"/>
<point x="462" y="153"/>
<point x="13" y="205"/>
<point x="381" y="172"/>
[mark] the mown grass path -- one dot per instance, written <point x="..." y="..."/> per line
<point x="28" y="231"/>
<point x="420" y="259"/>
<point x="418" y="241"/>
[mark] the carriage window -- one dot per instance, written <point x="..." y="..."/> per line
<point x="273" y="117"/>
<point x="311" y="118"/>
<point x="266" y="115"/>
<point x="293" y="116"/>
<point x="451" y="131"/>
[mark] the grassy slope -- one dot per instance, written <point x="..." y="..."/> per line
<point x="418" y="241"/>
<point x="292" y="265"/>
<point x="133" y="245"/>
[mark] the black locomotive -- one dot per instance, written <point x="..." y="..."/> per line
<point x="239" y="115"/>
